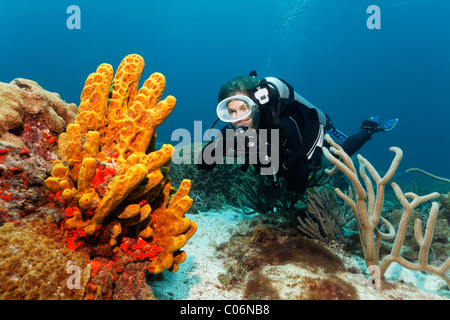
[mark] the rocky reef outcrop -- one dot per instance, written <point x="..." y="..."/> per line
<point x="31" y="118"/>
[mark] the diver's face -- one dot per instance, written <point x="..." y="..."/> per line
<point x="238" y="107"/>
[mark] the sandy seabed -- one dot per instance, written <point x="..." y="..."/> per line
<point x="197" y="278"/>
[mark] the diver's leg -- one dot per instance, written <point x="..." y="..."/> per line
<point x="356" y="141"/>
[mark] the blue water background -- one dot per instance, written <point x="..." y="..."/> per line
<point x="323" y="48"/>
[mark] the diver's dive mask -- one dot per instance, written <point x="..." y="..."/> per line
<point x="259" y="96"/>
<point x="227" y="114"/>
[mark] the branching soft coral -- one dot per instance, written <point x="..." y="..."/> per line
<point x="368" y="205"/>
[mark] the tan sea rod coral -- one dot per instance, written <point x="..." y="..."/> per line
<point x="114" y="184"/>
<point x="368" y="207"/>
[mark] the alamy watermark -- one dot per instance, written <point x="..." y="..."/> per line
<point x="74" y="280"/>
<point x="374" y="281"/>
<point x="374" y="20"/>
<point x="74" y="20"/>
<point x="235" y="146"/>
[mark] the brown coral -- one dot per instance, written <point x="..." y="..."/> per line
<point x="24" y="100"/>
<point x="330" y="287"/>
<point x="31" y="119"/>
<point x="34" y="263"/>
<point x="261" y="235"/>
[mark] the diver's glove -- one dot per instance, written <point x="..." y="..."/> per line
<point x="373" y="124"/>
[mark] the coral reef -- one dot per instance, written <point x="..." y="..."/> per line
<point x="330" y="287"/>
<point x="31" y="119"/>
<point x="258" y="194"/>
<point x="257" y="260"/>
<point x="261" y="235"/>
<point x="112" y="180"/>
<point x="410" y="250"/>
<point x="325" y="217"/>
<point x="445" y="206"/>
<point x="24" y="104"/>
<point x="276" y="243"/>
<point x="210" y="189"/>
<point x="227" y="185"/>
<point x="368" y="205"/>
<point x="106" y="206"/>
<point x="234" y="260"/>
<point x="34" y="262"/>
<point x="259" y="287"/>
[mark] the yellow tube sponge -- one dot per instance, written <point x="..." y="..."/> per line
<point x="172" y="228"/>
<point x="109" y="175"/>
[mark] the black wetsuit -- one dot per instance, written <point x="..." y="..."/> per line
<point x="301" y="134"/>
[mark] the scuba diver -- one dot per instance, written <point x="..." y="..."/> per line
<point x="249" y="106"/>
